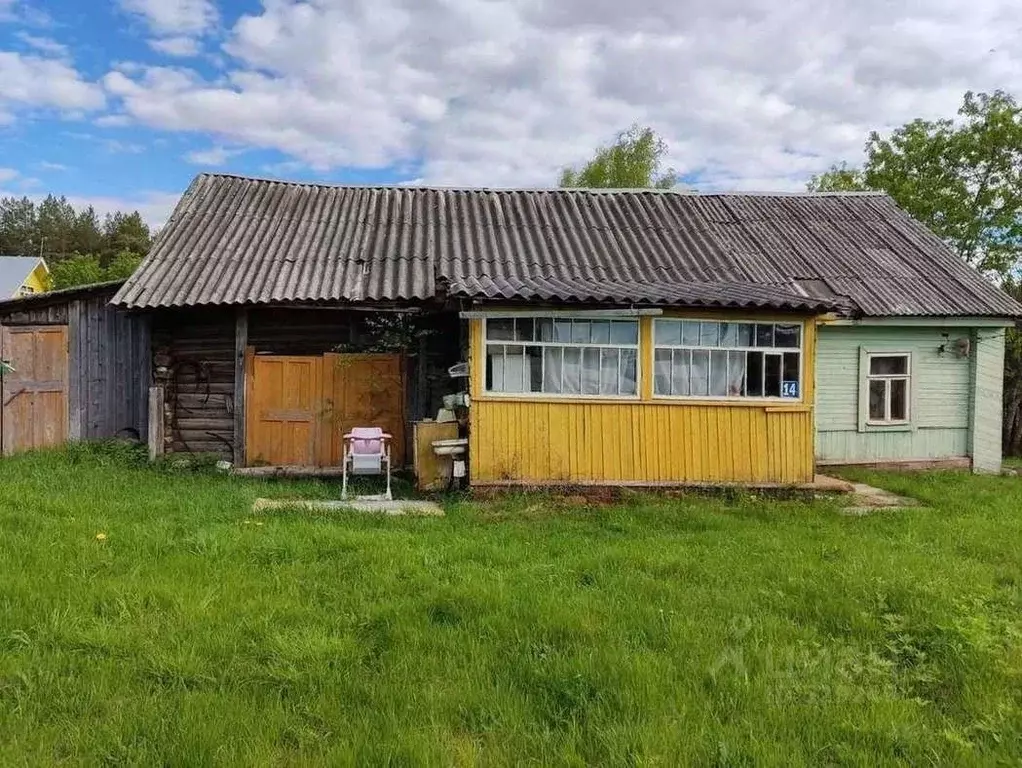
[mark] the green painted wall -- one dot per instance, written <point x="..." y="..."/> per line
<point x="988" y="393"/>
<point x="941" y="402"/>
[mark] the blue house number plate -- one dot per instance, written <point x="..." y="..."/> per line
<point x="789" y="389"/>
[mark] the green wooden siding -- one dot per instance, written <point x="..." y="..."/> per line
<point x="987" y="410"/>
<point x="941" y="405"/>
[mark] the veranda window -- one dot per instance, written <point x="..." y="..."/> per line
<point x="713" y="359"/>
<point x="562" y="356"/>
<point x="888" y="388"/>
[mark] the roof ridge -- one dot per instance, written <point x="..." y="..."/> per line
<point x="560" y="190"/>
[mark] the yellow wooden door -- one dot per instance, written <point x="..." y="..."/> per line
<point x="367" y="391"/>
<point x="284" y="410"/>
<point x="35" y="393"/>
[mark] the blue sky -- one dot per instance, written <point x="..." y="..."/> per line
<point x="120" y="103"/>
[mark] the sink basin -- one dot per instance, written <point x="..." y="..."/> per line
<point x="456" y="447"/>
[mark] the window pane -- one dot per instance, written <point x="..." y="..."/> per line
<point x="500" y="329"/>
<point x="754" y="375"/>
<point x="700" y="378"/>
<point x="624" y="332"/>
<point x="745" y="334"/>
<point x="690" y="333"/>
<point x="772" y="375"/>
<point x="508" y="366"/>
<point x="608" y="371"/>
<point x="764" y="335"/>
<point x="668" y="332"/>
<point x="534" y="357"/>
<point x="571" y="373"/>
<point x="890" y="365"/>
<point x="787" y="335"/>
<point x="718" y="373"/>
<point x="601" y="332"/>
<point x="899" y="400"/>
<point x="493" y="351"/>
<point x="552" y="369"/>
<point x="590" y="371"/>
<point x="878" y="401"/>
<point x="681" y="372"/>
<point x="562" y="330"/>
<point x="662" y="372"/>
<point x="629" y="371"/>
<point x="790" y="381"/>
<point x="709" y="334"/>
<point x="524" y="329"/>
<point x="736" y="374"/>
<point x="728" y="335"/>
<point x="580" y="331"/>
<point x="545" y="329"/>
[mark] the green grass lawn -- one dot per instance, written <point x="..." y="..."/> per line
<point x="711" y="631"/>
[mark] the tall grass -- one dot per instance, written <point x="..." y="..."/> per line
<point x="520" y="630"/>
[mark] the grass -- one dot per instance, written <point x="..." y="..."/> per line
<point x="709" y="631"/>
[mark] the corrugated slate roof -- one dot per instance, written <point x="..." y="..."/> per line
<point x="235" y="240"/>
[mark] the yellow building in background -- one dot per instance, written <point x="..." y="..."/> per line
<point x="23" y="276"/>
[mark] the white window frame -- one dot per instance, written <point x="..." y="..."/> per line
<point x="869" y="377"/>
<point x="800" y="349"/>
<point x="486" y="393"/>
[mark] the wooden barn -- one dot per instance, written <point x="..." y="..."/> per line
<point x="74" y="368"/>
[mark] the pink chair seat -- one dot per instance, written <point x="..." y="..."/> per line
<point x="366" y="441"/>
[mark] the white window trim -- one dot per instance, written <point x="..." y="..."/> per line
<point x="867" y="424"/>
<point x="487" y="393"/>
<point x="800" y="349"/>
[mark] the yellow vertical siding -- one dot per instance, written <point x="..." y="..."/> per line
<point x="639" y="441"/>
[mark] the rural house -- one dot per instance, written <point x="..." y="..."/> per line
<point x="22" y="276"/>
<point x="633" y="336"/>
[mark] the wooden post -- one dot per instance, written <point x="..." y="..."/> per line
<point x="156" y="445"/>
<point x="240" y="345"/>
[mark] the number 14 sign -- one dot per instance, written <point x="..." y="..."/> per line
<point x="789" y="389"/>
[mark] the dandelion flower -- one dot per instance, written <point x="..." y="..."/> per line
<point x="100" y="537"/>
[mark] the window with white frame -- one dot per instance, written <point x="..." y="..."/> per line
<point x="887" y="385"/>
<point x="562" y="356"/>
<point x="709" y="358"/>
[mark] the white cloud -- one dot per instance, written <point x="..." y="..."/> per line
<point x="214" y="156"/>
<point x="174" y="17"/>
<point x="7" y="174"/>
<point x="7" y="10"/>
<point x="180" y="46"/>
<point x="34" y="81"/>
<point x="45" y="45"/>
<point x="505" y="92"/>
<point x="112" y="121"/>
<point x="48" y="166"/>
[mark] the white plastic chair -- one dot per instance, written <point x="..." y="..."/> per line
<point x="366" y="452"/>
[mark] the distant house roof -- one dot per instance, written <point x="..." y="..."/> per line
<point x="14" y="270"/>
<point x="234" y="240"/>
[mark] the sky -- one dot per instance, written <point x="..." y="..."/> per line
<point x="119" y="103"/>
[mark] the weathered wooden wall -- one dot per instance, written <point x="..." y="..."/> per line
<point x="194" y="358"/>
<point x="108" y="360"/>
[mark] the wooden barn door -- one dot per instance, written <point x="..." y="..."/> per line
<point x="35" y="393"/>
<point x="367" y="391"/>
<point x="284" y="410"/>
<point x="298" y="408"/>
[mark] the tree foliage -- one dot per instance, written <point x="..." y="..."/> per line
<point x="86" y="269"/>
<point x="961" y="177"/>
<point x="57" y="231"/>
<point x="635" y="160"/>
